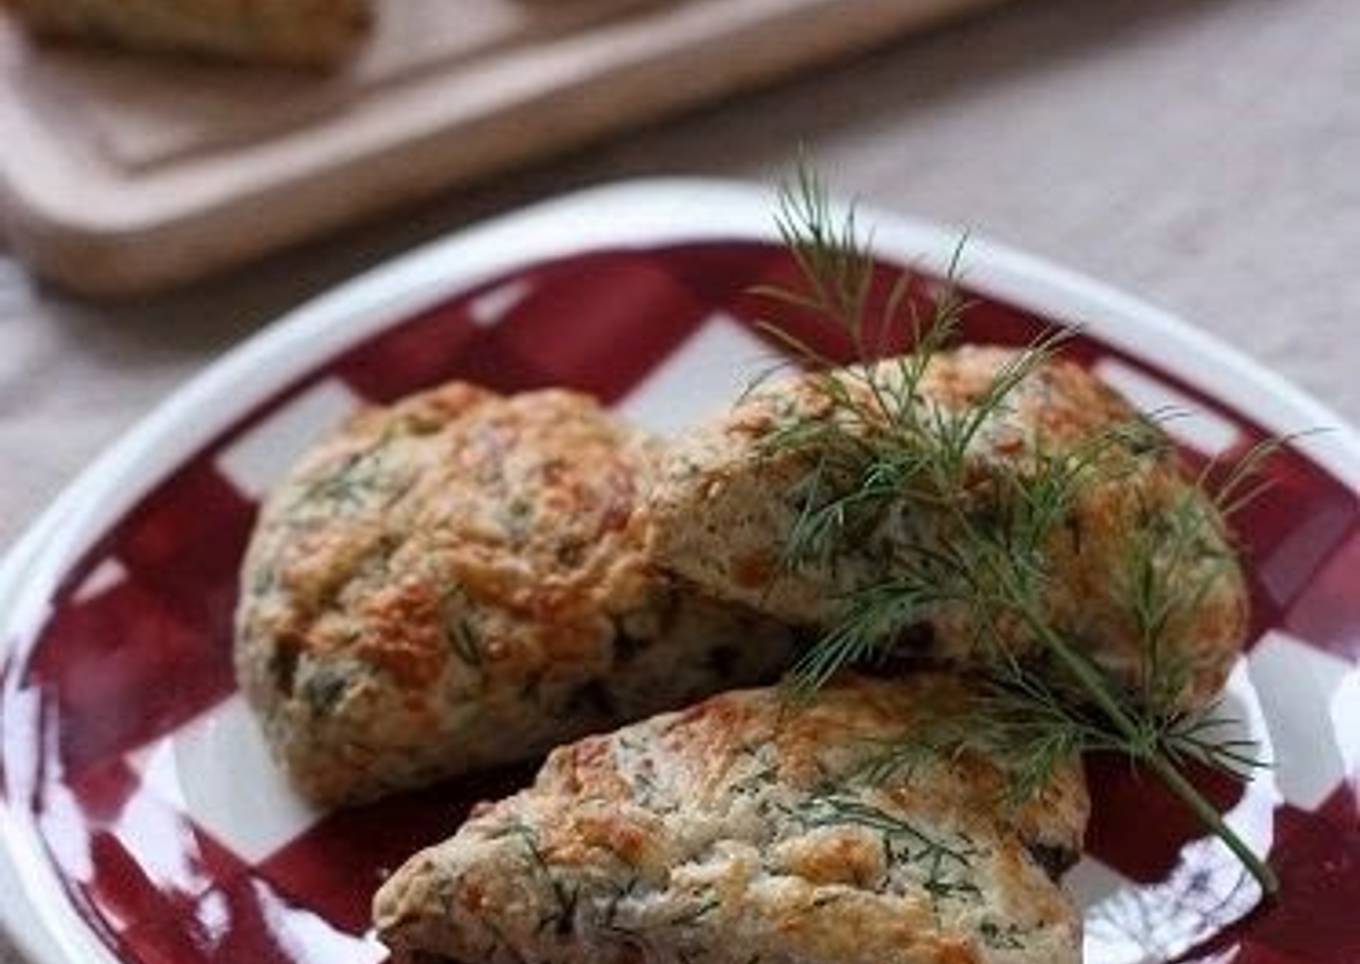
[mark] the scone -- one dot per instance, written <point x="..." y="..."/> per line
<point x="743" y="831"/>
<point x="309" y="33"/>
<point x="458" y="581"/>
<point x="725" y="504"/>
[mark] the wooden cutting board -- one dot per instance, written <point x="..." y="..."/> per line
<point x="120" y="174"/>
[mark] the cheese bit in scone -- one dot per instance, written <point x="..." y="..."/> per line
<point x="303" y="33"/>
<point x="458" y="581"/>
<point x="747" y="830"/>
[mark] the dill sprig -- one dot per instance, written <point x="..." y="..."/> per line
<point x="881" y="456"/>
<point x="945" y="864"/>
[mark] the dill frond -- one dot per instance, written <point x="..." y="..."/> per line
<point x="942" y="860"/>
<point x="975" y="544"/>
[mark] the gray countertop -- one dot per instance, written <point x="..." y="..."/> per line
<point x="1203" y="155"/>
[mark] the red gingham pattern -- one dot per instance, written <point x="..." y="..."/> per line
<point x="136" y="661"/>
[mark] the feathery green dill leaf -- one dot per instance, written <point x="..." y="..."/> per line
<point x="888" y="467"/>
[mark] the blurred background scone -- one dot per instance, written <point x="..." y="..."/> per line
<point x="458" y="581"/>
<point x="305" y="33"/>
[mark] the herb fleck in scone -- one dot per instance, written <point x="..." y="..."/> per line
<point x="458" y="581"/>
<point x="729" y="501"/>
<point x="746" y="831"/>
<point x="291" y="32"/>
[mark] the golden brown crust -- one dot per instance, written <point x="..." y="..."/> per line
<point x="302" y="33"/>
<point x="722" y="510"/>
<point x="738" y="831"/>
<point x="459" y="580"/>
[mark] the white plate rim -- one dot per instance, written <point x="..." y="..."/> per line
<point x="40" y="919"/>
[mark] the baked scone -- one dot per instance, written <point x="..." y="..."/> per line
<point x="745" y="830"/>
<point x="310" y="33"/>
<point x="458" y="581"/>
<point x="725" y="504"/>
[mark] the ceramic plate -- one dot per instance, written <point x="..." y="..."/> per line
<point x="142" y="820"/>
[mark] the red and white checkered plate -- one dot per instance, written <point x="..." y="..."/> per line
<point x="142" y="820"/>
